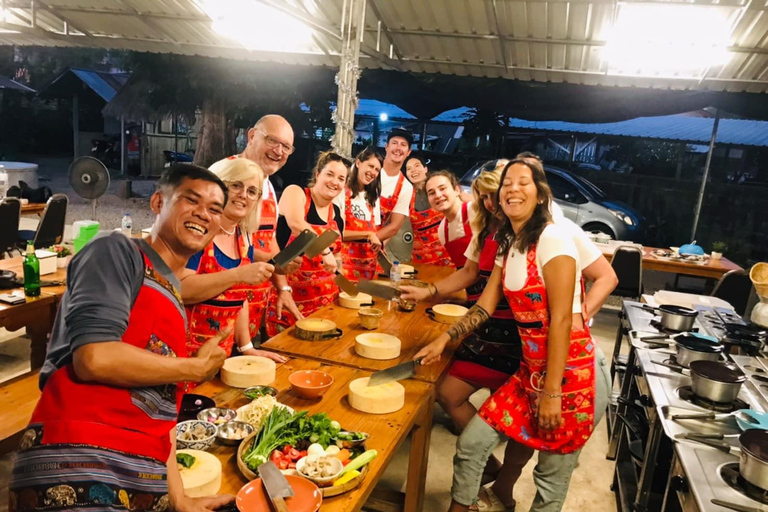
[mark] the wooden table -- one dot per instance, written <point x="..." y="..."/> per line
<point x="415" y="329"/>
<point x="712" y="269"/>
<point x="32" y="208"/>
<point x="36" y="314"/>
<point x="387" y="431"/>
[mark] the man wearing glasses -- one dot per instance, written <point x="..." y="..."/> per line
<point x="270" y="143"/>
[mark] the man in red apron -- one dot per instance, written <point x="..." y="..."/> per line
<point x="101" y="435"/>
<point x="396" y="194"/>
<point x="270" y="143"/>
<point x="454" y="232"/>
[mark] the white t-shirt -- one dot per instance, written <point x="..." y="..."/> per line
<point x="588" y="251"/>
<point x="554" y="241"/>
<point x="360" y="207"/>
<point x="388" y="185"/>
<point x="456" y="226"/>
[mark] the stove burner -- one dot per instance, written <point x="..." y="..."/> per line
<point x="730" y="475"/>
<point x="687" y="394"/>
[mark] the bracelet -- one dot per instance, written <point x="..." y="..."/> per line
<point x="551" y="395"/>
<point x="326" y="253"/>
<point x="433" y="289"/>
<point x="245" y="347"/>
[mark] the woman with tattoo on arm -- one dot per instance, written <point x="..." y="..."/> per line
<point x="549" y="404"/>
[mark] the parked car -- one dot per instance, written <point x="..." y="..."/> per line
<point x="582" y="202"/>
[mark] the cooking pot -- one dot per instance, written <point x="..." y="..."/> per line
<point x="8" y="279"/>
<point x="753" y="462"/>
<point x="716" y="381"/>
<point x="692" y="347"/>
<point x="674" y="318"/>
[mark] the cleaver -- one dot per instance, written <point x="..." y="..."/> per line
<point x="398" y="372"/>
<point x="377" y="289"/>
<point x="321" y="243"/>
<point x="294" y="249"/>
<point x="384" y="262"/>
<point x="345" y="284"/>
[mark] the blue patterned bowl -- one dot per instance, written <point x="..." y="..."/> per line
<point x="201" y="443"/>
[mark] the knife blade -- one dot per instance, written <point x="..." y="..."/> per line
<point x="321" y="243"/>
<point x="384" y="262"/>
<point x="345" y="284"/>
<point x="398" y="372"/>
<point x="381" y="290"/>
<point x="294" y="249"/>
<point x="276" y="486"/>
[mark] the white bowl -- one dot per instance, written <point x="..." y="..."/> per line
<point x="336" y="463"/>
<point x="200" y="444"/>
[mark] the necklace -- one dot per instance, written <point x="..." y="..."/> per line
<point x="230" y="233"/>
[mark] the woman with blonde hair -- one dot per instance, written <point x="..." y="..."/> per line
<point x="220" y="285"/>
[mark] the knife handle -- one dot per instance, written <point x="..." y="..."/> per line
<point x="279" y="504"/>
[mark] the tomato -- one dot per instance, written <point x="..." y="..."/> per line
<point x="287" y="449"/>
<point x="294" y="454"/>
<point x="283" y="464"/>
<point x="291" y="465"/>
<point x="344" y="463"/>
<point x="302" y="453"/>
<point x="276" y="456"/>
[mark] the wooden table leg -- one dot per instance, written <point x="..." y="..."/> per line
<point x="39" y="331"/>
<point x="419" y="458"/>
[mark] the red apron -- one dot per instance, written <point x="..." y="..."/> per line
<point x="513" y="409"/>
<point x="313" y="286"/>
<point x="427" y="249"/>
<point x="387" y="204"/>
<point x="262" y="241"/>
<point x="132" y="420"/>
<point x="358" y="259"/>
<point x="456" y="248"/>
<point x="207" y="318"/>
<point x="490" y="355"/>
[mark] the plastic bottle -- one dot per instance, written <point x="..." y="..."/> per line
<point x="394" y="273"/>
<point x="3" y="182"/>
<point x="31" y="267"/>
<point x="127" y="224"/>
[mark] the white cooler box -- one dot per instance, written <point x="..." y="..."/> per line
<point x="47" y="261"/>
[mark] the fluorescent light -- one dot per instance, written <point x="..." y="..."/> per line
<point x="667" y="40"/>
<point x="257" y="26"/>
<point x="383" y="116"/>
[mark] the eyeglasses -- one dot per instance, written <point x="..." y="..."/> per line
<point x="273" y="143"/>
<point x="237" y="186"/>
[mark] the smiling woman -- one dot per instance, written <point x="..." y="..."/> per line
<point x="311" y="208"/>
<point x="219" y="286"/>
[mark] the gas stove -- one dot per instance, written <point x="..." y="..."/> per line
<point x="701" y="474"/>
<point x="645" y="321"/>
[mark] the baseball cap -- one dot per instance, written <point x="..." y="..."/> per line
<point x="401" y="132"/>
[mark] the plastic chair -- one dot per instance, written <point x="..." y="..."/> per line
<point x="50" y="230"/>
<point x="10" y="215"/>
<point x="734" y="287"/>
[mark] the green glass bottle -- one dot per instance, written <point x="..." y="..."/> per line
<point x="31" y="272"/>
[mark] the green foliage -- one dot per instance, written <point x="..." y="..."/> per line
<point x="720" y="247"/>
<point x="648" y="156"/>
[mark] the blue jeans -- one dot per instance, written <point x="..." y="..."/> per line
<point x="552" y="474"/>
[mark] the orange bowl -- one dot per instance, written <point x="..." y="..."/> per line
<point x="310" y="383"/>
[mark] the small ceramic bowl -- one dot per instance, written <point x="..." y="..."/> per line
<point x="336" y="466"/>
<point x="217" y="415"/>
<point x="232" y="432"/>
<point x="198" y="444"/>
<point x="310" y="383"/>
<point x="254" y="392"/>
<point x="351" y="443"/>
<point x="369" y="317"/>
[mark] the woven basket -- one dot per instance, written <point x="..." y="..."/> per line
<point x="759" y="277"/>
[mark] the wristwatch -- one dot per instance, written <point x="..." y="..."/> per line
<point x="286" y="288"/>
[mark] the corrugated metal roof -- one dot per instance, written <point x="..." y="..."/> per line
<point x="105" y="85"/>
<point x="374" y="108"/>
<point x="686" y="128"/>
<point x="540" y="40"/>
<point x="7" y="83"/>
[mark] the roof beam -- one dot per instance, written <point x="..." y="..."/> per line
<point x="63" y="17"/>
<point x="384" y="25"/>
<point x="502" y="44"/>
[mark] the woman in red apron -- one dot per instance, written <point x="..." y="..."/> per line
<point x="311" y="208"/>
<point x="361" y="217"/>
<point x="222" y="285"/>
<point x="548" y="404"/>
<point x="427" y="249"/>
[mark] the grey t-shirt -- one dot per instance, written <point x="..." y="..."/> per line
<point x="103" y="281"/>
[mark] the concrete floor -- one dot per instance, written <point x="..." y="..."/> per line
<point x="590" y="486"/>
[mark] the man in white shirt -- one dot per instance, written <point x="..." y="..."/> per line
<point x="396" y="194"/>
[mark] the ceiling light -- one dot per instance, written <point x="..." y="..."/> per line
<point x="383" y="116"/>
<point x="257" y="26"/>
<point x="667" y="40"/>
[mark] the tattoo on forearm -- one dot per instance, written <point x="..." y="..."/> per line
<point x="475" y="317"/>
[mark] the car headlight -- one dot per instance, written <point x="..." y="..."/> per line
<point x="622" y="216"/>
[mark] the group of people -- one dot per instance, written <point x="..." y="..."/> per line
<point x="203" y="287"/>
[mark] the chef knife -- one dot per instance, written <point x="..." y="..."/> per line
<point x="321" y="243"/>
<point x="384" y="262"/>
<point x="381" y="290"/>
<point x="398" y="372"/>
<point x="345" y="284"/>
<point x="276" y="485"/>
<point x="294" y="249"/>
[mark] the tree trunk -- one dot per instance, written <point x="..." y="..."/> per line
<point x="211" y="139"/>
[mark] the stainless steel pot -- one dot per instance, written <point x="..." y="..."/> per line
<point x="716" y="381"/>
<point x="674" y="318"/>
<point x="691" y="348"/>
<point x="753" y="462"/>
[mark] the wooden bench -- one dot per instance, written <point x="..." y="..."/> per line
<point x="19" y="397"/>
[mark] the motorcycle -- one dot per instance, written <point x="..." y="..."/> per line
<point x="173" y="157"/>
<point x="106" y="150"/>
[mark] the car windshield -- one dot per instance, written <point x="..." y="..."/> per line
<point x="591" y="187"/>
<point x="471" y="174"/>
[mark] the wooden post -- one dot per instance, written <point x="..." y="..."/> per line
<point x="122" y="145"/>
